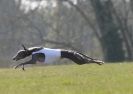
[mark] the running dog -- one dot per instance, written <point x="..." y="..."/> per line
<point x="48" y="55"/>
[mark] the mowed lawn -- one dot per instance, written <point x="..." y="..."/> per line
<point x="69" y="79"/>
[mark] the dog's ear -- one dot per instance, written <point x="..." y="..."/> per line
<point x="24" y="47"/>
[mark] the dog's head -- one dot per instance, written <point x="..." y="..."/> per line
<point x="21" y="54"/>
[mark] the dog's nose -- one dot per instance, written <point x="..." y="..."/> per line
<point x="13" y="58"/>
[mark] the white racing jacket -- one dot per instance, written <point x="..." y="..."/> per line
<point x="51" y="55"/>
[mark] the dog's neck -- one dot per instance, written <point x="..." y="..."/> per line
<point x="32" y="49"/>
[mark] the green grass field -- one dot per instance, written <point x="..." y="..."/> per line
<point x="69" y="79"/>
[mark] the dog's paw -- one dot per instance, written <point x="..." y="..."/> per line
<point x="99" y="62"/>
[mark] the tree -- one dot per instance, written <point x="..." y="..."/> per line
<point x="111" y="40"/>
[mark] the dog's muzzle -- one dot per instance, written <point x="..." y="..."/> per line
<point x="14" y="58"/>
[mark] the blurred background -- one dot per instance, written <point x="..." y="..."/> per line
<point x="102" y="29"/>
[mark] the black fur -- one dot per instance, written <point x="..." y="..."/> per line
<point x="79" y="58"/>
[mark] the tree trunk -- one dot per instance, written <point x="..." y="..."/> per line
<point x="111" y="39"/>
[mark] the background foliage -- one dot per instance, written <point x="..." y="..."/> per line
<point x="98" y="28"/>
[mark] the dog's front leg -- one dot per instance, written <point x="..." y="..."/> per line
<point x="22" y="64"/>
<point x="19" y="65"/>
<point x="25" y="63"/>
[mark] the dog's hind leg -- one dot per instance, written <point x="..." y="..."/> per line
<point x="74" y="56"/>
<point x="90" y="60"/>
<point x="79" y="58"/>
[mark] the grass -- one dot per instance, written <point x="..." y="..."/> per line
<point x="69" y="79"/>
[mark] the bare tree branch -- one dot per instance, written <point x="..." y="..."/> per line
<point x="82" y="13"/>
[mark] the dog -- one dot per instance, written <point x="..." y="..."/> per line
<point x="48" y="55"/>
